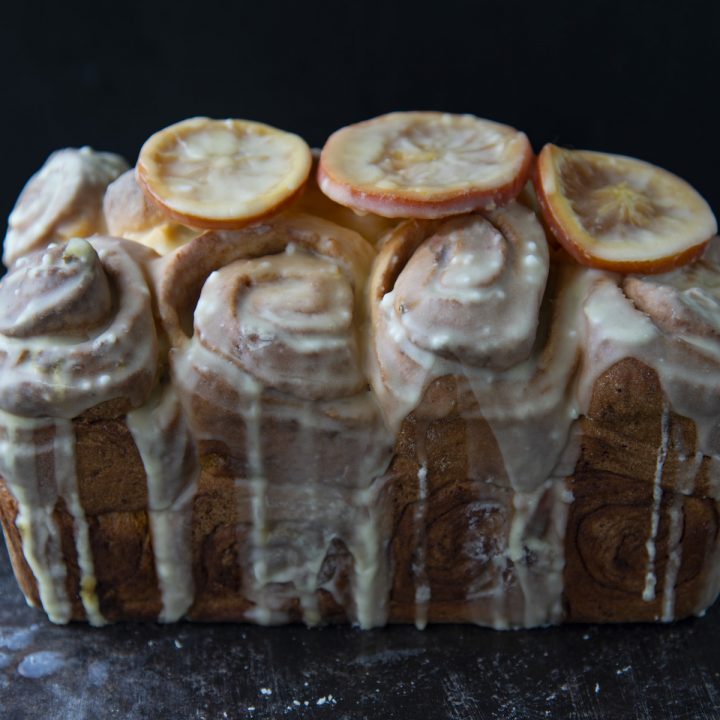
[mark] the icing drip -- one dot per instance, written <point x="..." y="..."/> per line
<point x="367" y="543"/>
<point x="521" y="547"/>
<point x="307" y="581"/>
<point x="66" y="477"/>
<point x="675" y="557"/>
<point x="687" y="467"/>
<point x="538" y="556"/>
<point x="26" y="444"/>
<point x="650" y="578"/>
<point x="422" y="585"/>
<point x="36" y="504"/>
<point x="252" y="414"/>
<point x="531" y="407"/>
<point x="170" y="460"/>
<point x="487" y="550"/>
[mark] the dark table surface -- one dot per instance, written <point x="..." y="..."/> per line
<point x="457" y="672"/>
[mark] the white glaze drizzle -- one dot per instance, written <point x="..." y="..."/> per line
<point x="171" y="468"/>
<point x="674" y="561"/>
<point x="35" y="521"/>
<point x="423" y="593"/>
<point x="307" y="584"/>
<point x="252" y="414"/>
<point x="650" y="578"/>
<point x="486" y="589"/>
<point x="37" y="496"/>
<point x="542" y="580"/>
<point x="687" y="467"/>
<point x="66" y="477"/>
<point x="368" y="545"/>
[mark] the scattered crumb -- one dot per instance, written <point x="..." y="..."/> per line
<point x="624" y="670"/>
<point x="597" y="688"/>
<point x="266" y="691"/>
<point x="178" y="644"/>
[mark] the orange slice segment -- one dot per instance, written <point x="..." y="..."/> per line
<point x="424" y="165"/>
<point x="621" y="214"/>
<point x="222" y="173"/>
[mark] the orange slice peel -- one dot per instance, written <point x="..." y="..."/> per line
<point x="618" y="213"/>
<point x="424" y="165"/>
<point x="222" y="174"/>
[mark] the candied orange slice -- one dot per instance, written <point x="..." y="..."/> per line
<point x="222" y="173"/>
<point x="618" y="213"/>
<point x="424" y="165"/>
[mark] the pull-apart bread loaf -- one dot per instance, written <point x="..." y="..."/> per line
<point x="421" y="376"/>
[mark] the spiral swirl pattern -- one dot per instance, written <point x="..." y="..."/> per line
<point x="77" y="329"/>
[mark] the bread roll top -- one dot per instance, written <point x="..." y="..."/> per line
<point x="77" y="328"/>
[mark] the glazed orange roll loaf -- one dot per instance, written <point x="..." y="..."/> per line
<point x="418" y="376"/>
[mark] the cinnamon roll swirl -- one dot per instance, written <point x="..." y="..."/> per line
<point x="61" y="201"/>
<point x="460" y="362"/>
<point x="265" y="324"/>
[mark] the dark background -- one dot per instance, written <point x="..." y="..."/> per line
<point x="638" y="78"/>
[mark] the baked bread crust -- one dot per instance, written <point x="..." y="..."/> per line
<point x="294" y="424"/>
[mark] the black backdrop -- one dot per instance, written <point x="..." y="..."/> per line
<point x="638" y="78"/>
